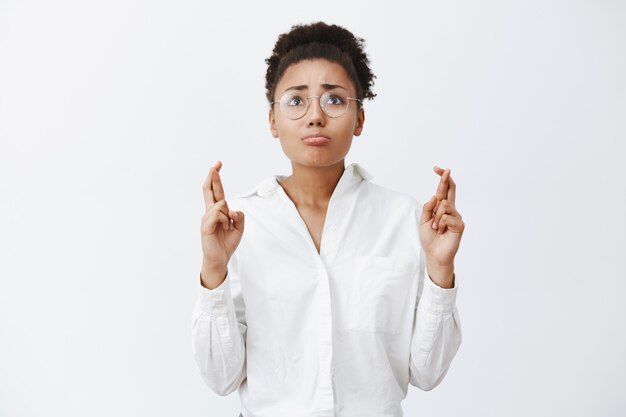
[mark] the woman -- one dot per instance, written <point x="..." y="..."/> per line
<point x="340" y="292"/>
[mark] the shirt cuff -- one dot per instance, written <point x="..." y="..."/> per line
<point x="216" y="301"/>
<point x="440" y="299"/>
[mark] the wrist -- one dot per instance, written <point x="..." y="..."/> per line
<point x="212" y="277"/>
<point x="441" y="275"/>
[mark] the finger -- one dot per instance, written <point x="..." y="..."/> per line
<point x="445" y="207"/>
<point x="222" y="206"/>
<point x="440" y="212"/>
<point x="449" y="209"/>
<point x="442" y="188"/>
<point x="220" y="211"/>
<point x="451" y="222"/>
<point x="452" y="210"/>
<point x="427" y="210"/>
<point x="212" y="219"/>
<point x="209" y="197"/>
<point x="451" y="191"/>
<point x="207" y="191"/>
<point x="441" y="225"/>
<point x="218" y="189"/>
<point x="439" y="171"/>
<point x="223" y="219"/>
<point x="238" y="219"/>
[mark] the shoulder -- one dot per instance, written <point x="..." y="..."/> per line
<point x="242" y="201"/>
<point x="394" y="198"/>
<point x="254" y="195"/>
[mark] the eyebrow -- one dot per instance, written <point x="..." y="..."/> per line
<point x="324" y="86"/>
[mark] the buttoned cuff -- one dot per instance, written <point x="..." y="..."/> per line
<point x="217" y="301"/>
<point x="438" y="299"/>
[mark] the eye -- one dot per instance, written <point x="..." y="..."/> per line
<point x="335" y="100"/>
<point x="294" y="101"/>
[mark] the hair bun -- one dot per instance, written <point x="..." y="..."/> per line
<point x="320" y="40"/>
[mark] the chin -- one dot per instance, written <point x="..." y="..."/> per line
<point x="318" y="160"/>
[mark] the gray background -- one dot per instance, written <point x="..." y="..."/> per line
<point x="112" y="112"/>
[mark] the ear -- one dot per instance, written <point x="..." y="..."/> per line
<point x="360" y="120"/>
<point x="272" y="121"/>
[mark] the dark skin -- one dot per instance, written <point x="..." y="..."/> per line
<point x="316" y="170"/>
<point x="314" y="218"/>
<point x="221" y="230"/>
<point x="441" y="229"/>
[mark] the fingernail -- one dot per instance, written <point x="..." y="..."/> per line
<point x="434" y="225"/>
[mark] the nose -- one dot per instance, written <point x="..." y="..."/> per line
<point x="315" y="113"/>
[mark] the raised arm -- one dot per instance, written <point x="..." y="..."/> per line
<point x="218" y="320"/>
<point x="437" y="328"/>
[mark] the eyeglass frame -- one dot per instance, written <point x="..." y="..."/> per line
<point x="308" y="103"/>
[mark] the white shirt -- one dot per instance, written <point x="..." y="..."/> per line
<point x="337" y="333"/>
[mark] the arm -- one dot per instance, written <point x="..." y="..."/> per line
<point x="219" y="333"/>
<point x="436" y="334"/>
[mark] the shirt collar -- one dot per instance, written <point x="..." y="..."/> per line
<point x="353" y="173"/>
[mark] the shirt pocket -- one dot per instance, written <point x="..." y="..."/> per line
<point x="381" y="291"/>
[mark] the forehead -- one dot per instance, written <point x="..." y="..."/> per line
<point x="314" y="73"/>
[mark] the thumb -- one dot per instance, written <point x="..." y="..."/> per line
<point x="427" y="210"/>
<point x="238" y="219"/>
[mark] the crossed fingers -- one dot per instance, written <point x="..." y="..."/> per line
<point x="214" y="198"/>
<point x="212" y="189"/>
<point x="446" y="196"/>
<point x="446" y="190"/>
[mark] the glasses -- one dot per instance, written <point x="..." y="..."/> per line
<point x="333" y="104"/>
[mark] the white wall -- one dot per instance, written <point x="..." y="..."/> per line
<point x="112" y="112"/>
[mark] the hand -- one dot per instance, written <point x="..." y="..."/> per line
<point x="441" y="226"/>
<point x="221" y="228"/>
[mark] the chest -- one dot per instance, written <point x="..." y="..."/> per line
<point x="314" y="219"/>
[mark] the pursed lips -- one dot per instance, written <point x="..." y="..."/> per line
<point x="316" y="135"/>
<point x="316" y="140"/>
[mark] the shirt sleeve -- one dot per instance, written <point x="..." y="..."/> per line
<point x="218" y="333"/>
<point x="436" y="333"/>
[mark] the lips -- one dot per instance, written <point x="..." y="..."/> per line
<point x="315" y="139"/>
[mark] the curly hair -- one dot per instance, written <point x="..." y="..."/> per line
<point x="320" y="41"/>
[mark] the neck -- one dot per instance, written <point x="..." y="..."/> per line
<point x="312" y="186"/>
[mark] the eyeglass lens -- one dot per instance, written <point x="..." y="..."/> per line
<point x="294" y="105"/>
